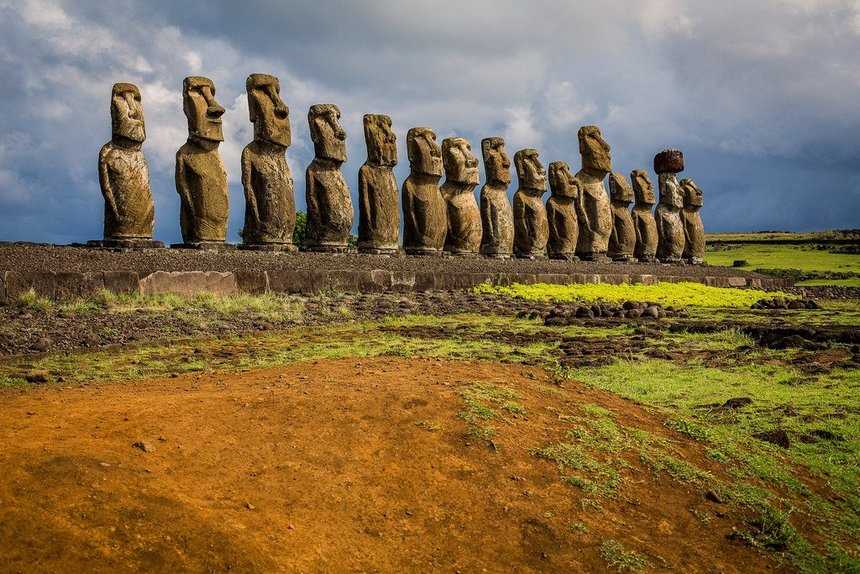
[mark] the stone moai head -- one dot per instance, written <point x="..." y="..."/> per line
<point x="562" y="183"/>
<point x="693" y="196"/>
<point x="380" y="139"/>
<point x="530" y="172"/>
<point x="461" y="165"/>
<point x="497" y="164"/>
<point x="425" y="158"/>
<point x="268" y="112"/>
<point x="619" y="189"/>
<point x="594" y="150"/>
<point x="126" y="113"/>
<point x="669" y="161"/>
<point x="642" y="188"/>
<point x="201" y="109"/>
<point x="326" y="133"/>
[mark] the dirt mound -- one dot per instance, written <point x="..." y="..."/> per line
<point x="346" y="465"/>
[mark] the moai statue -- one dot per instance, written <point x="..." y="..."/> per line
<point x="328" y="198"/>
<point x="595" y="221"/>
<point x="622" y="240"/>
<point x="670" y="228"/>
<point x="643" y="217"/>
<point x="378" y="204"/>
<point x="562" y="212"/>
<point x="424" y="210"/>
<point x="531" y="229"/>
<point x="694" y="230"/>
<point x="270" y="209"/>
<point x="124" y="175"/>
<point x="200" y="177"/>
<point x="464" y="217"/>
<point x="497" y="215"/>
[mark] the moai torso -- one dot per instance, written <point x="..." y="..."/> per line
<point x="622" y="240"/>
<point x="694" y="230"/>
<point x="643" y="218"/>
<point x="270" y="211"/>
<point x="595" y="222"/>
<point x="670" y="227"/>
<point x="201" y="180"/>
<point x="497" y="215"/>
<point x="561" y="212"/>
<point x="464" y="217"/>
<point x="378" y="204"/>
<point x="531" y="229"/>
<point x="424" y="208"/>
<point x="329" y="202"/>
<point x="123" y="172"/>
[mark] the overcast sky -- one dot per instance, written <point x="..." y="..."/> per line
<point x="763" y="96"/>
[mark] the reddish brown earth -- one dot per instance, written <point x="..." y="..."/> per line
<point x="352" y="465"/>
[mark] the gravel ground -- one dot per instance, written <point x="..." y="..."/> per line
<point x="14" y="257"/>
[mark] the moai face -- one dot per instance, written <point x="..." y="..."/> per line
<point x="693" y="196"/>
<point x="424" y="154"/>
<point x="619" y="190"/>
<point x="562" y="183"/>
<point x="268" y="112"/>
<point x="201" y="109"/>
<point x="461" y="165"/>
<point x="594" y="150"/>
<point x="642" y="188"/>
<point x="530" y="172"/>
<point x="126" y="113"/>
<point x="328" y="136"/>
<point x="497" y="164"/>
<point x="380" y="139"/>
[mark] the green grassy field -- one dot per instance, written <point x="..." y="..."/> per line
<point x="803" y="263"/>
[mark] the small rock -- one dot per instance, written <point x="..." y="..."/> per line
<point x="737" y="403"/>
<point x="250" y="506"/>
<point x="713" y="496"/>
<point x="143" y="445"/>
<point x="740" y="263"/>
<point x="778" y="437"/>
<point x="36" y="377"/>
<point x="653" y="311"/>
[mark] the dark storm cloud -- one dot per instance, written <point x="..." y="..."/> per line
<point x="760" y="95"/>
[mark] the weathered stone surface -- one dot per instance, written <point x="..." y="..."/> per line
<point x="378" y="204"/>
<point x="694" y="229"/>
<point x="270" y="209"/>
<point x="497" y="214"/>
<point x="328" y="198"/>
<point x="189" y="283"/>
<point x="253" y="282"/>
<point x="595" y="218"/>
<point x="424" y="209"/>
<point x="622" y="240"/>
<point x="531" y="229"/>
<point x="670" y="228"/>
<point x="123" y="171"/>
<point x="201" y="180"/>
<point x="643" y="217"/>
<point x="464" y="217"/>
<point x="562" y="212"/>
<point x="122" y="281"/>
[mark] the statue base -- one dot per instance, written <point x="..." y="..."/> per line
<point x="563" y="257"/>
<point x="369" y="249"/>
<point x="672" y="261"/>
<point x="424" y="251"/>
<point x="594" y="257"/>
<point x="530" y="256"/>
<point x="465" y="254"/>
<point x="623" y="258"/>
<point x="327" y="248"/>
<point x="204" y="246"/>
<point x="647" y="259"/>
<point x="496" y="255"/>
<point x="125" y="244"/>
<point x="694" y="261"/>
<point x="274" y="247"/>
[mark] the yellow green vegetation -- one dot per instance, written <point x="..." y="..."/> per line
<point x="674" y="294"/>
<point x="802" y="258"/>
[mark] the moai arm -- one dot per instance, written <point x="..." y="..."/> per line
<point x="248" y="185"/>
<point x="364" y="197"/>
<point x="490" y="215"/>
<point x="640" y="236"/>
<point x="104" y="180"/>
<point x="582" y="214"/>
<point x="181" y="186"/>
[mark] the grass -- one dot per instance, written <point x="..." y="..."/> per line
<point x="482" y="403"/>
<point x="797" y="261"/>
<point x="667" y="294"/>
<point x="621" y="559"/>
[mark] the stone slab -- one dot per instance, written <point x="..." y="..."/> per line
<point x="189" y="283"/>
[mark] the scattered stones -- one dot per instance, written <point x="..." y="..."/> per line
<point x="143" y="445"/>
<point x="740" y="263"/>
<point x="782" y="303"/>
<point x="627" y="310"/>
<point x="817" y="435"/>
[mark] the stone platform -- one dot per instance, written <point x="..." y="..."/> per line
<point x="63" y="272"/>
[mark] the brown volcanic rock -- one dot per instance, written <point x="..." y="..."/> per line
<point x="669" y="161"/>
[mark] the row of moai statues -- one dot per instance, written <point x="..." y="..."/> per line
<point x="578" y="221"/>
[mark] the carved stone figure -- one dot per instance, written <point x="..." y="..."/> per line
<point x="328" y="198"/>
<point x="562" y="212"/>
<point x="670" y="228"/>
<point x="424" y="210"/>
<point x="694" y="230"/>
<point x="595" y="221"/>
<point x="643" y="217"/>
<point x="378" y="204"/>
<point x="497" y="215"/>
<point x="270" y="209"/>
<point x="622" y="240"/>
<point x="200" y="177"/>
<point x="531" y="229"/>
<point x="464" y="217"/>
<point x="129" y="214"/>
